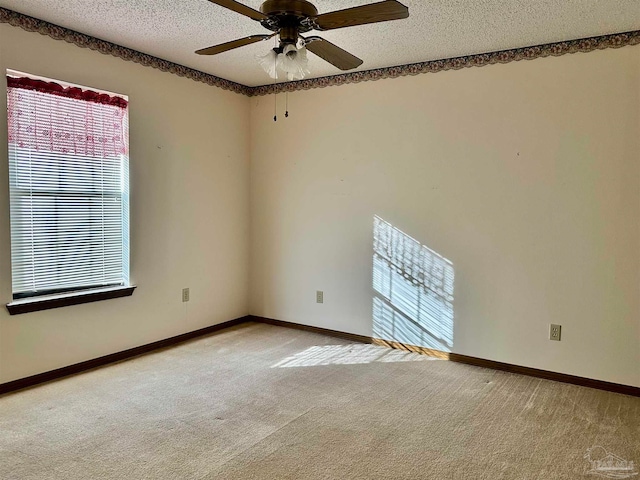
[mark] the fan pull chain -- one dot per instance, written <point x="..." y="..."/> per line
<point x="286" y="103"/>
<point x="275" y="94"/>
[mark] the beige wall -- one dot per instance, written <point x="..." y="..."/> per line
<point x="189" y="211"/>
<point x="526" y="176"/>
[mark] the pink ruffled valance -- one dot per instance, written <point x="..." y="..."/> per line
<point x="54" y="88"/>
<point x="45" y="116"/>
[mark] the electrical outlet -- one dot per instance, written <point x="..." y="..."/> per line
<point x="185" y="294"/>
<point x="554" y="332"/>
<point x="319" y="297"/>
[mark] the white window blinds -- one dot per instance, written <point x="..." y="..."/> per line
<point x="68" y="172"/>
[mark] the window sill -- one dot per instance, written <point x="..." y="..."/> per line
<point x="46" y="302"/>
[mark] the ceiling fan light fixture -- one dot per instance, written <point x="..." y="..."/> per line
<point x="269" y="63"/>
<point x="292" y="61"/>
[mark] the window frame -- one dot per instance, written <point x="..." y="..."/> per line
<point x="24" y="302"/>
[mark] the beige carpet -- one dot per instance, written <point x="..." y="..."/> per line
<point x="263" y="402"/>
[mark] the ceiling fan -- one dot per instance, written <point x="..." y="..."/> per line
<point x="290" y="18"/>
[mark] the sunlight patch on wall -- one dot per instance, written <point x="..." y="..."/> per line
<point x="348" y="355"/>
<point x="413" y="290"/>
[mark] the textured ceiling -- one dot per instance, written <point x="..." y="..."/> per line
<point x="435" y="29"/>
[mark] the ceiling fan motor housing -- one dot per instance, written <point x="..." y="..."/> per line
<point x="289" y="17"/>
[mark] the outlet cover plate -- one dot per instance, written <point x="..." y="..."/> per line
<point x="555" y="332"/>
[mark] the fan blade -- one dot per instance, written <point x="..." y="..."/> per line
<point x="241" y="9"/>
<point x="223" y="47"/>
<point x="332" y="53"/>
<point x="350" y="17"/>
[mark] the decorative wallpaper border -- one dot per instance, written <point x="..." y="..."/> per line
<point x="31" y="24"/>
<point x="480" y="60"/>
<point x="557" y="49"/>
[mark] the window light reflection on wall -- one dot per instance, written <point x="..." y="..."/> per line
<point x="413" y="290"/>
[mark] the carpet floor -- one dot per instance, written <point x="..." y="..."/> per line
<point x="263" y="402"/>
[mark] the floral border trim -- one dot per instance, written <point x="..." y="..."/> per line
<point x="31" y="24"/>
<point x="582" y="45"/>
<point x="557" y="49"/>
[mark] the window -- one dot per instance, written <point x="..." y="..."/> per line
<point x="69" y="188"/>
